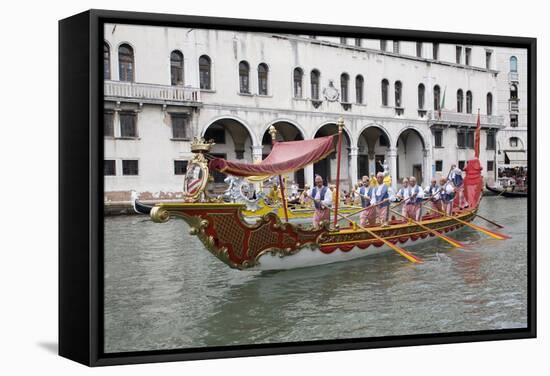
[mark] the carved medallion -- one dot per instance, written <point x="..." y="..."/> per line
<point x="330" y="93"/>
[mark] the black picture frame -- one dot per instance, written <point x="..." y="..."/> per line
<point x="81" y="187"/>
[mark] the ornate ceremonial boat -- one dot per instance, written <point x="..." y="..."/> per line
<point x="271" y="243"/>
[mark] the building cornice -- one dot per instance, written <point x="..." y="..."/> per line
<point x="385" y="53"/>
<point x="322" y="114"/>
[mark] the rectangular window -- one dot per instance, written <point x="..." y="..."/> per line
<point x="128" y="126"/>
<point x="439" y="166"/>
<point x="180" y="167"/>
<point x="458" y="54"/>
<point x="488" y="59"/>
<point x="358" y="42"/>
<point x="109" y="167"/>
<point x="514" y="120"/>
<point x="395" y="47"/>
<point x="108" y="124"/>
<point x="179" y="126"/>
<point x="383" y="45"/>
<point x="418" y="49"/>
<point x="470" y="139"/>
<point x="468" y="56"/>
<point x="461" y="139"/>
<point x="465" y="138"/>
<point x="130" y="167"/>
<point x="435" y="51"/>
<point x="343" y="41"/>
<point x="438" y="138"/>
<point x="461" y="164"/>
<point x="491" y="140"/>
<point x="490" y="165"/>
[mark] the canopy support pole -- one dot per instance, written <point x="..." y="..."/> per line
<point x="337" y="196"/>
<point x="273" y="133"/>
<point x="281" y="182"/>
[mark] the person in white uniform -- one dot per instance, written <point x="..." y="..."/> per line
<point x="322" y="199"/>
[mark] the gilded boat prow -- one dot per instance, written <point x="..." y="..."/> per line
<point x="223" y="230"/>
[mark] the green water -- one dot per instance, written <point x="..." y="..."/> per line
<point x="163" y="290"/>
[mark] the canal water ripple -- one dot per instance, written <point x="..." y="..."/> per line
<point x="163" y="290"/>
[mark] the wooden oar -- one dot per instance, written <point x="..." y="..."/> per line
<point x="453" y="242"/>
<point x="363" y="209"/>
<point x="488" y="220"/>
<point x="409" y="256"/>
<point x="484" y="230"/>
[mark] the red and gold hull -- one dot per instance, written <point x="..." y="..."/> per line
<point x="271" y="244"/>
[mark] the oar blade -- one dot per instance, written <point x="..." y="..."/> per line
<point x="409" y="256"/>
<point x="453" y="242"/>
<point x="493" y="234"/>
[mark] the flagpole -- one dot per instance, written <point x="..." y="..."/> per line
<point x="337" y="200"/>
<point x="477" y="141"/>
<point x="273" y="133"/>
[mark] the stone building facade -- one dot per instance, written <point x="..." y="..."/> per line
<point x="412" y="104"/>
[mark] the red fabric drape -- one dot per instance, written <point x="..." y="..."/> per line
<point x="473" y="182"/>
<point x="284" y="157"/>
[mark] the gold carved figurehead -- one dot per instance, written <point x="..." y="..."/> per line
<point x="197" y="173"/>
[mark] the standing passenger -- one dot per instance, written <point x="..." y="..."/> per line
<point x="458" y="181"/>
<point x="322" y="199"/>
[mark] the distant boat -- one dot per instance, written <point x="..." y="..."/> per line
<point x="499" y="191"/>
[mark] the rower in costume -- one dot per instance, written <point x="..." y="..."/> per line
<point x="366" y="194"/>
<point x="322" y="199"/>
<point x="414" y="205"/>
<point x="381" y="198"/>
<point x="447" y="195"/>
<point x="403" y="195"/>
<point x="433" y="191"/>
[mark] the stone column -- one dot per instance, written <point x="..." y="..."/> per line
<point x="353" y="153"/>
<point x="308" y="174"/>
<point x="426" y="167"/>
<point x="372" y="163"/>
<point x="391" y="156"/>
<point x="256" y="153"/>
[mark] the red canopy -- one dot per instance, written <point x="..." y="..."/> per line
<point x="284" y="157"/>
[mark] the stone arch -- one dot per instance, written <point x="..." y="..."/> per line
<point x="323" y="124"/>
<point x="421" y="134"/>
<point x="373" y="143"/>
<point x="251" y="133"/>
<point x="233" y="141"/>
<point x="284" y="120"/>
<point x="375" y="125"/>
<point x="520" y="143"/>
<point x="327" y="167"/>
<point x="412" y="155"/>
<point x="287" y="130"/>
